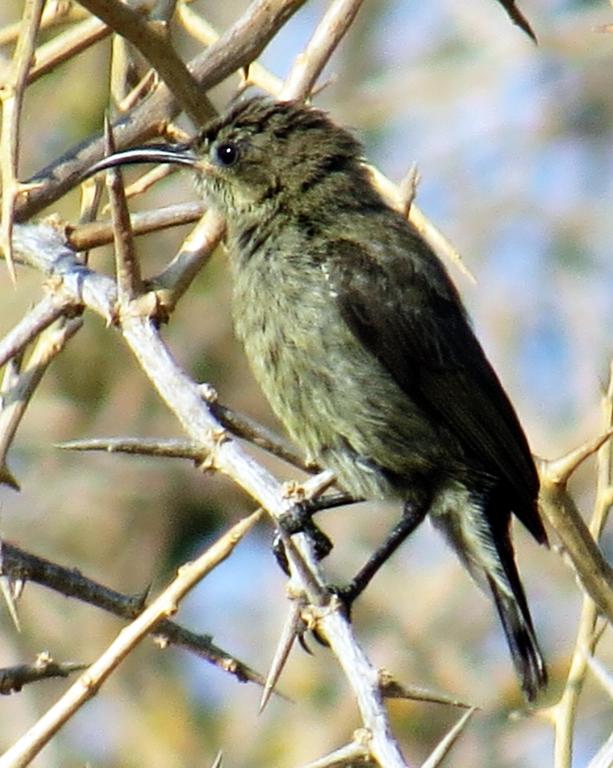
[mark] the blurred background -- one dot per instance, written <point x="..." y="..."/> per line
<point x="514" y="144"/>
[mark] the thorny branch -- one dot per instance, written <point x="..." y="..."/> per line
<point x="166" y="604"/>
<point x="234" y="50"/>
<point x="564" y="713"/>
<point x="19" y="566"/>
<point x="75" y="287"/>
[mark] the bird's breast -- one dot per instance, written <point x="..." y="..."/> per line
<point x="333" y="396"/>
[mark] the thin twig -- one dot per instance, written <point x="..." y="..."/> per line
<point x="12" y="679"/>
<point x="127" y="268"/>
<point x="19" y="566"/>
<point x="15" y="400"/>
<point x="194" y="253"/>
<point x="30" y="744"/>
<point x="151" y="38"/>
<point x="56" y="12"/>
<point x="48" y="309"/>
<point x="201" y="30"/>
<point x="357" y="752"/>
<point x="579" y="544"/>
<point x="565" y="711"/>
<point x="12" y="94"/>
<point x="96" y="233"/>
<point x="309" y="64"/>
<point x="66" y="45"/>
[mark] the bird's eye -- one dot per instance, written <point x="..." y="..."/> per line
<point x="226" y="154"/>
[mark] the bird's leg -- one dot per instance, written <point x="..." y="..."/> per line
<point x="412" y="516"/>
<point x="299" y="519"/>
<point x="301" y="514"/>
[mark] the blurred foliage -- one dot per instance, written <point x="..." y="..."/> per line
<point x="514" y="144"/>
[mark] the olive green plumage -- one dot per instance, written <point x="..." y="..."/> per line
<point x="359" y="340"/>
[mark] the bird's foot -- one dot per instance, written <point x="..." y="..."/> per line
<point x="300" y="520"/>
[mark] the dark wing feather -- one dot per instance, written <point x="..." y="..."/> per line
<point x="406" y="311"/>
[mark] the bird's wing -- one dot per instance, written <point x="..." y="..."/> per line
<point x="406" y="311"/>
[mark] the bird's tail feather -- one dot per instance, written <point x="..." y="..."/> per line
<point x="521" y="638"/>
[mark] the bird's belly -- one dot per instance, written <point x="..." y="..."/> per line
<point x="333" y="396"/>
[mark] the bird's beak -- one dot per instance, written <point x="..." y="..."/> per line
<point x="177" y="154"/>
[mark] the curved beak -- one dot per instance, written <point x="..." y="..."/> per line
<point x="177" y="154"/>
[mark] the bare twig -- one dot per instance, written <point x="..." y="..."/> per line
<point x="255" y="433"/>
<point x="564" y="713"/>
<point x="55" y="12"/>
<point x="148" y="179"/>
<point x="96" y="233"/>
<point x="8" y="589"/>
<point x="595" y="573"/>
<point x="194" y="253"/>
<point x="357" y="752"/>
<point x="151" y="38"/>
<point x="30" y="744"/>
<point x="12" y="679"/>
<point x="139" y="446"/>
<point x="309" y="64"/>
<point x="15" y="399"/>
<point x="91" y="195"/>
<point x="64" y="46"/>
<point x="12" y="94"/>
<point x="218" y="760"/>
<point x="202" y="31"/>
<point x="19" y="566"/>
<point x="48" y="309"/>
<point x="239" y="424"/>
<point x="127" y="268"/>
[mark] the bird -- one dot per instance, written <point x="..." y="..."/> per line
<point x="360" y="341"/>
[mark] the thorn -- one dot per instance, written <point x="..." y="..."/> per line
<point x="559" y="470"/>
<point x="18" y="586"/>
<point x="357" y="752"/>
<point x="518" y="18"/>
<point x="7" y="478"/>
<point x="443" y="747"/>
<point x="217" y="761"/>
<point x="303" y="643"/>
<point x="408" y="188"/>
<point x="7" y="588"/>
<point x="288" y="635"/>
<point x="391" y="689"/>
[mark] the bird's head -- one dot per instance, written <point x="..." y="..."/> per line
<point x="260" y="156"/>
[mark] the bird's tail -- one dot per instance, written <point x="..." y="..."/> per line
<point x="521" y="638"/>
<point x="481" y="536"/>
